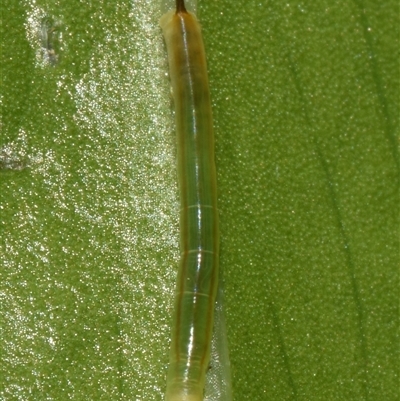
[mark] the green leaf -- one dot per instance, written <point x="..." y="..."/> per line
<point x="306" y="100"/>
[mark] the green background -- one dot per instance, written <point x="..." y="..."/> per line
<point x="306" y="108"/>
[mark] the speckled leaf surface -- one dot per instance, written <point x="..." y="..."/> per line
<point x="306" y="101"/>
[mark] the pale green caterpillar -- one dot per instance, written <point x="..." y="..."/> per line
<point x="197" y="285"/>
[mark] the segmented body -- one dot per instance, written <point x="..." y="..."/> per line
<point x="198" y="271"/>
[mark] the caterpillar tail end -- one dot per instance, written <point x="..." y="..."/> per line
<point x="183" y="397"/>
<point x="179" y="393"/>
